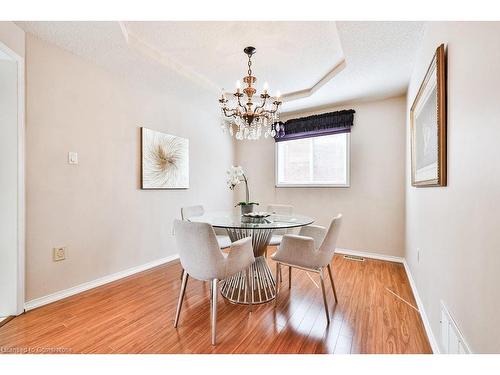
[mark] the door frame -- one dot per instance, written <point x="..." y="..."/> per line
<point x="21" y="188"/>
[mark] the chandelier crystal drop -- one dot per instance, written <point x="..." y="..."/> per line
<point x="244" y="116"/>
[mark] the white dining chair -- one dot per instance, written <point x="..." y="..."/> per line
<point x="198" y="210"/>
<point x="192" y="211"/>
<point x="311" y="250"/>
<point x="279" y="209"/>
<point x="202" y="259"/>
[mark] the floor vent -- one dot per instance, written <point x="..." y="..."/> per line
<point x="452" y="340"/>
<point x="354" y="257"/>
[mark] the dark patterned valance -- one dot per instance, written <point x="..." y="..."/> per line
<point x="315" y="126"/>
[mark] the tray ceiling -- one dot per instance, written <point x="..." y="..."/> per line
<point x="291" y="56"/>
<point x="313" y="64"/>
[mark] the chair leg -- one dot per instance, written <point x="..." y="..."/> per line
<point x="322" y="278"/>
<point x="278" y="281"/>
<point x="249" y="288"/>
<point x="331" y="281"/>
<point x="289" y="277"/>
<point x="213" y="305"/>
<point x="181" y="297"/>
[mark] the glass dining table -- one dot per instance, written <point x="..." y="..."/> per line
<point x="263" y="285"/>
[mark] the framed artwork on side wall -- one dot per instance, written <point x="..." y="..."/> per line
<point x="164" y="161"/>
<point x="428" y="126"/>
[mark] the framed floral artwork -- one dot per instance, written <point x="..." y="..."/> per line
<point x="165" y="161"/>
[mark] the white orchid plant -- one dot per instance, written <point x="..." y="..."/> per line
<point x="235" y="176"/>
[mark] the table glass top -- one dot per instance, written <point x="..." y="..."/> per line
<point x="228" y="219"/>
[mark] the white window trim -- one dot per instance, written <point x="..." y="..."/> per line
<point x="315" y="185"/>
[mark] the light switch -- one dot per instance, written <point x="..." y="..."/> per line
<point x="72" y="157"/>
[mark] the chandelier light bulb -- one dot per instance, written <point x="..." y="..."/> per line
<point x="238" y="85"/>
<point x="266" y="87"/>
<point x="278" y="95"/>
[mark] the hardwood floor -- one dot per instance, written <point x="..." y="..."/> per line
<point x="376" y="313"/>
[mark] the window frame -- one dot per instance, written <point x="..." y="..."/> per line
<point x="316" y="185"/>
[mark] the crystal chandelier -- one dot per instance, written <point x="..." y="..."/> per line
<point x="249" y="120"/>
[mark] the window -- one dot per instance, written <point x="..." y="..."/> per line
<point x="313" y="162"/>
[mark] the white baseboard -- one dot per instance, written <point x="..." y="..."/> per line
<point x="368" y="254"/>
<point x="37" y="302"/>
<point x="420" y="305"/>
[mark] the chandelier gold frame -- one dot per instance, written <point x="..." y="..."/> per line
<point x="247" y="119"/>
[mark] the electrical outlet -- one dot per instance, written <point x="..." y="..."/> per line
<point x="58" y="253"/>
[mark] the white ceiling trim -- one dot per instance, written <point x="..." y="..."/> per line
<point x="135" y="42"/>
<point x="124" y="30"/>
<point x="308" y="92"/>
<point x="148" y="50"/>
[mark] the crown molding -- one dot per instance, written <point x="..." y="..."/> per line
<point x="288" y="97"/>
<point x="124" y="30"/>
<point x="146" y="49"/>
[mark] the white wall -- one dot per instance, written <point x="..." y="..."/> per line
<point x="373" y="207"/>
<point x="8" y="187"/>
<point x="96" y="208"/>
<point x="11" y="207"/>
<point x="456" y="227"/>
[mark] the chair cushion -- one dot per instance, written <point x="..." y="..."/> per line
<point x="298" y="251"/>
<point x="276" y="240"/>
<point x="223" y="240"/>
<point x="300" y="262"/>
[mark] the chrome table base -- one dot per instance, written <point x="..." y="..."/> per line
<point x="260" y="238"/>
<point x="263" y="286"/>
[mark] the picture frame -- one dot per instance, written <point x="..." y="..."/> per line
<point x="428" y="126"/>
<point x="164" y="161"/>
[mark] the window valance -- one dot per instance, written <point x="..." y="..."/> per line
<point x="315" y="125"/>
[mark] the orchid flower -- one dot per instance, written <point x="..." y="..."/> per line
<point x="236" y="175"/>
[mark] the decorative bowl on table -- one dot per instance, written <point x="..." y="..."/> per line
<point x="255" y="217"/>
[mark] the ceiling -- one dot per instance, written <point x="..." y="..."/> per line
<point x="215" y="50"/>
<point x="313" y="64"/>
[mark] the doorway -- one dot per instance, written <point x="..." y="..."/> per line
<point x="12" y="238"/>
